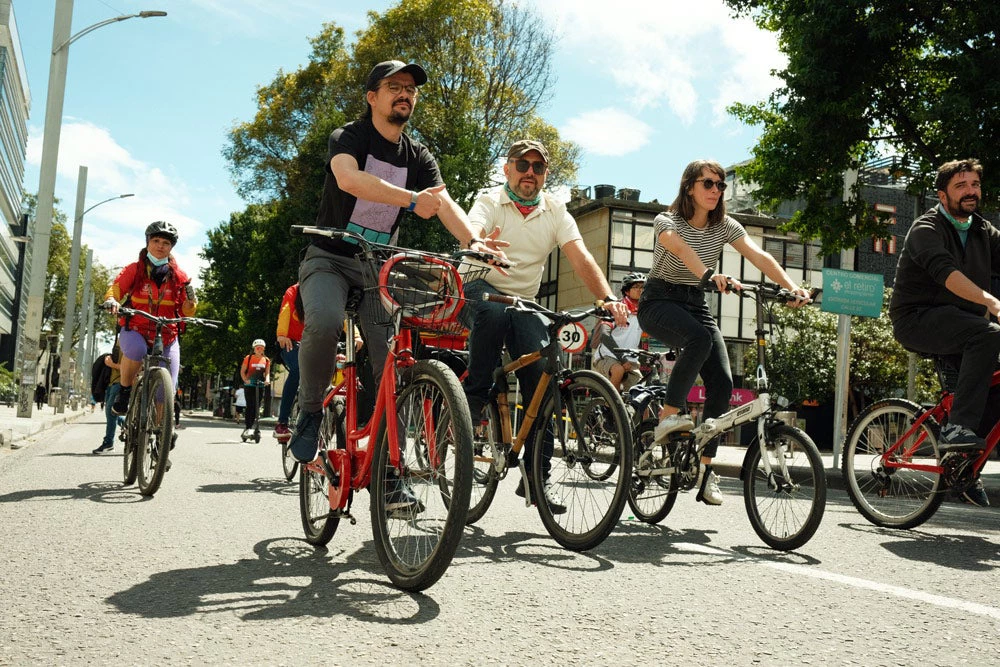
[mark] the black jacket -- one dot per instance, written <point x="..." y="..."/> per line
<point x="931" y="252"/>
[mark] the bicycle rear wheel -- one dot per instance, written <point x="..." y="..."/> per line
<point x="157" y="428"/>
<point x="488" y="461"/>
<point x="318" y="521"/>
<point x="786" y="507"/>
<point x="652" y="494"/>
<point x="892" y="497"/>
<point x="131" y="427"/>
<point x="591" y="464"/>
<point x="418" y="511"/>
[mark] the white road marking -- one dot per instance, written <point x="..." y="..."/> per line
<point x="898" y="591"/>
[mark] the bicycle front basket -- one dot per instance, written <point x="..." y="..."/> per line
<point x="425" y="290"/>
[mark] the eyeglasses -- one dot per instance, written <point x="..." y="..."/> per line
<point x="522" y="166"/>
<point x="708" y="183"/>
<point x="397" y="88"/>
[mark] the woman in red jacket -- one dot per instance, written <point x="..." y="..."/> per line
<point x="156" y="285"/>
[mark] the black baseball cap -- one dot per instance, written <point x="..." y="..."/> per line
<point x="390" y="67"/>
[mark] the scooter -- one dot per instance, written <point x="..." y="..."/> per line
<point x="255" y="436"/>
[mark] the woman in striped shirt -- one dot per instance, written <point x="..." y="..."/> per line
<point x="689" y="240"/>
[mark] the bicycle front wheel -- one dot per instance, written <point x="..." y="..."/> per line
<point x="489" y="459"/>
<point x="418" y="510"/>
<point x="653" y="488"/>
<point x="585" y="472"/>
<point x="786" y="505"/>
<point x="157" y="428"/>
<point x="288" y="462"/>
<point x="889" y="496"/>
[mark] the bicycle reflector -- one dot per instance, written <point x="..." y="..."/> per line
<point x="427" y="290"/>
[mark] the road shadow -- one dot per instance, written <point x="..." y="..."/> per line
<point x="287" y="579"/>
<point x="100" y="492"/>
<point x="524" y="547"/>
<point x="970" y="553"/>
<point x="278" y="485"/>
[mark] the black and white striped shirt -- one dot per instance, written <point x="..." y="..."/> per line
<point x="707" y="244"/>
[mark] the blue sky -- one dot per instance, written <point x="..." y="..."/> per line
<point x="641" y="86"/>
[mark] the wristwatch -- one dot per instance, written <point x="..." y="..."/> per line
<point x="413" y="201"/>
<point x="474" y="239"/>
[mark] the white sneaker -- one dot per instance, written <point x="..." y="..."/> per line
<point x="708" y="486"/>
<point x="554" y="500"/>
<point x="668" y="425"/>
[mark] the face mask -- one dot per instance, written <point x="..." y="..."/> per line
<point x="157" y="262"/>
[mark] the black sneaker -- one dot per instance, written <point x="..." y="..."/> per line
<point x="958" y="438"/>
<point x="104" y="448"/>
<point x="120" y="406"/>
<point x="401" y="503"/>
<point x="303" y="442"/>
<point x="173" y="441"/>
<point x="976" y="494"/>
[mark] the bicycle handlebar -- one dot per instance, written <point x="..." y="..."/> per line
<point x="766" y="290"/>
<point x="132" y="312"/>
<point x="532" y="307"/>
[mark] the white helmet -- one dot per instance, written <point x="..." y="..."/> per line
<point x="259" y="342"/>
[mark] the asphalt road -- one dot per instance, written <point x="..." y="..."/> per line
<point x="213" y="570"/>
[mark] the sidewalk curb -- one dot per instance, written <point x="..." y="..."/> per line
<point x="15" y="432"/>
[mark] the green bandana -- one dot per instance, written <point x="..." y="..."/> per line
<point x="960" y="226"/>
<point x="523" y="202"/>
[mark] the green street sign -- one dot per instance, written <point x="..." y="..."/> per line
<point x="852" y="293"/>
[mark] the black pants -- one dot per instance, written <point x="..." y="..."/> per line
<point x="950" y="330"/>
<point x="251" y="411"/>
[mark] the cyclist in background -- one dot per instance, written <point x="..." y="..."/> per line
<point x="289" y="334"/>
<point x="154" y="284"/>
<point x="622" y="371"/>
<point x="255" y="371"/>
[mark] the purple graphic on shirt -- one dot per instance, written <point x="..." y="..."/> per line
<point x="372" y="215"/>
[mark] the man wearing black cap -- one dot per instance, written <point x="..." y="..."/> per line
<point x="374" y="172"/>
<point x="529" y="224"/>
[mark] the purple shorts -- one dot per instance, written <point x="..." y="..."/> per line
<point x="134" y="347"/>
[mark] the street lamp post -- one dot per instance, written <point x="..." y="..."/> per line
<point x="66" y="381"/>
<point x="61" y="39"/>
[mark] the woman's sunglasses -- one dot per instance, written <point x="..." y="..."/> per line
<point x="708" y="183"/>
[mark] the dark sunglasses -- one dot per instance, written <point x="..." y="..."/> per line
<point x="537" y="166"/>
<point x="708" y="183"/>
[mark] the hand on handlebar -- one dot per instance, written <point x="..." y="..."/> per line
<point x="490" y="249"/>
<point x="618" y="310"/>
<point x="799" y="297"/>
<point x="111" y="305"/>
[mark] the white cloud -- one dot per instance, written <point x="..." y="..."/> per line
<point x="694" y="59"/>
<point x="115" y="230"/>
<point x="607" y="132"/>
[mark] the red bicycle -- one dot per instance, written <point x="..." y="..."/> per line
<point x="417" y="445"/>
<point x="895" y="475"/>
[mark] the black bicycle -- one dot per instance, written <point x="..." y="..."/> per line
<point x="149" y="421"/>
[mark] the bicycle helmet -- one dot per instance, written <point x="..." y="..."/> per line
<point x="259" y="342"/>
<point x="162" y="229"/>
<point x="426" y="290"/>
<point x="631" y="279"/>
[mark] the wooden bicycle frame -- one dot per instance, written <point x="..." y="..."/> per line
<point x="899" y="456"/>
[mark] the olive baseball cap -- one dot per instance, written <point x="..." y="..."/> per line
<point x="519" y="148"/>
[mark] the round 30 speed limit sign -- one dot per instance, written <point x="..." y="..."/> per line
<point x="573" y="338"/>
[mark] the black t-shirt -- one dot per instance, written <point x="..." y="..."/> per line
<point x="407" y="164"/>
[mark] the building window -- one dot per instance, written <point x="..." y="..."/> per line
<point x="794" y="254"/>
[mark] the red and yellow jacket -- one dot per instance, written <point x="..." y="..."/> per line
<point x="289" y="324"/>
<point x="166" y="300"/>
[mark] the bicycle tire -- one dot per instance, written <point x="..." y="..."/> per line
<point x="593" y="505"/>
<point x="488" y="460"/>
<point x="785" y="511"/>
<point x="897" y="497"/>
<point x="318" y="522"/>
<point x="600" y="417"/>
<point x="651" y="497"/>
<point x="157" y="429"/>
<point x="415" y="544"/>
<point x="288" y="462"/>
<point x="130" y="467"/>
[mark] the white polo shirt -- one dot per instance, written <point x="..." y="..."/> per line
<point x="531" y="238"/>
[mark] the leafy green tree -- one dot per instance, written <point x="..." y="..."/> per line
<point x="867" y="78"/>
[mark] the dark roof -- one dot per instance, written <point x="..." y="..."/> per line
<point x="581" y="207"/>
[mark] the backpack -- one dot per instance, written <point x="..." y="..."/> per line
<point x="101" y="376"/>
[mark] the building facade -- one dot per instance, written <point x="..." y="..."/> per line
<point x="15" y="105"/>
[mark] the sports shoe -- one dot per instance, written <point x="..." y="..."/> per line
<point x="400" y="502"/>
<point x="120" y="406"/>
<point x="708" y="486"/>
<point x="303" y="443"/>
<point x="958" y="438"/>
<point x="671" y="424"/>
<point x="976" y="494"/>
<point x="245" y="434"/>
<point x="552" y="497"/>
<point x="173" y="441"/>
<point x="282" y="433"/>
<point x="104" y="448"/>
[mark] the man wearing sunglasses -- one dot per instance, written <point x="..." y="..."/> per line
<point x="374" y="172"/>
<point x="530" y="224"/>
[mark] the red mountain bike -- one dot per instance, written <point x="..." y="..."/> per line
<point x="418" y="443"/>
<point x="895" y="475"/>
